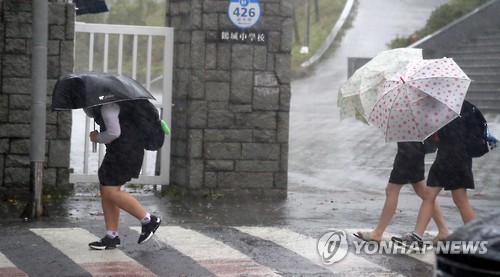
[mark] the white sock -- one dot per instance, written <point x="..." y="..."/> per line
<point x="146" y="219"/>
<point x="112" y="234"/>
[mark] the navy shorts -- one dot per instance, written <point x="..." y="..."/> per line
<point x="119" y="167"/>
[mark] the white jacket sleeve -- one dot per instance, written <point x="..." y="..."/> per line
<point x="109" y="113"/>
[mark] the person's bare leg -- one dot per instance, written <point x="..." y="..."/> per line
<point x="438" y="217"/>
<point x="110" y="210"/>
<point x="462" y="202"/>
<point x="113" y="195"/>
<point x="426" y="209"/>
<point x="388" y="211"/>
<point x="437" y="214"/>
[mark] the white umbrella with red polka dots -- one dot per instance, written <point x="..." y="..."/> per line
<point x="420" y="99"/>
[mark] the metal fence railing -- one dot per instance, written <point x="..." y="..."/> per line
<point x="144" y="53"/>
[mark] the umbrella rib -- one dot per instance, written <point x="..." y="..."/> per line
<point x="388" y="118"/>
<point x="415" y="122"/>
<point x="439" y="78"/>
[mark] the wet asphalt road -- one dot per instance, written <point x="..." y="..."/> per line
<point x="337" y="175"/>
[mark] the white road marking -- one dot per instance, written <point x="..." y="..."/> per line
<point x="73" y="242"/>
<point x="211" y="254"/>
<point x="307" y="247"/>
<point x="4" y="262"/>
<point x="7" y="268"/>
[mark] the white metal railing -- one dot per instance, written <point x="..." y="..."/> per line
<point x="145" y="40"/>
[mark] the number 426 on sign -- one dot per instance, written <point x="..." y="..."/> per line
<point x="244" y="13"/>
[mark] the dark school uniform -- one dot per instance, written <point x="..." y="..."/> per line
<point x="408" y="164"/>
<point x="124" y="155"/>
<point x="452" y="168"/>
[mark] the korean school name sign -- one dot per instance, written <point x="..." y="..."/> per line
<point x="243" y="14"/>
<point x="243" y="36"/>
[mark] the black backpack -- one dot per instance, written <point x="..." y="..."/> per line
<point x="148" y="123"/>
<point x="477" y="130"/>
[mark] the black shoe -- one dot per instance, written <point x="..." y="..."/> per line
<point x="410" y="241"/>
<point x="105" y="243"/>
<point x="149" y="229"/>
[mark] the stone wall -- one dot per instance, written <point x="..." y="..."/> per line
<point x="15" y="95"/>
<point x="231" y="100"/>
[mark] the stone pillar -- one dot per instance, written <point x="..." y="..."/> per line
<point x="231" y="98"/>
<point x="15" y="92"/>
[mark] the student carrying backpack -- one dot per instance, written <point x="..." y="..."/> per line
<point x="477" y="138"/>
<point x="148" y="123"/>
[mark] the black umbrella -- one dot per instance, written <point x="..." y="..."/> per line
<point x="83" y="90"/>
<point x="90" y="6"/>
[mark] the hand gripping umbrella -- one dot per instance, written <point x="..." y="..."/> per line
<point x="84" y="90"/>
<point x="420" y="99"/>
<point x="358" y="95"/>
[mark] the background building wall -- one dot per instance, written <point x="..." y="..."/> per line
<point x="231" y="100"/>
<point x="16" y="19"/>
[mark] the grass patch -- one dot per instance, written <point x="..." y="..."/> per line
<point x="319" y="28"/>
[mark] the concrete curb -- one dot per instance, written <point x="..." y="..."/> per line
<point x="329" y="39"/>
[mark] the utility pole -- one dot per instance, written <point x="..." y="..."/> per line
<point x="38" y="103"/>
<point x="305" y="46"/>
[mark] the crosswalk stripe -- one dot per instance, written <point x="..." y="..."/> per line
<point x="211" y="254"/>
<point x="7" y="268"/>
<point x="306" y="247"/>
<point x="72" y="241"/>
<point x="218" y="256"/>
<point x="429" y="257"/>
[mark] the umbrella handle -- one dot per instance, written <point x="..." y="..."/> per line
<point x="94" y="144"/>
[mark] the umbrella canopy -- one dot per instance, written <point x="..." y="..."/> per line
<point x="83" y="90"/>
<point x="90" y="6"/>
<point x="358" y="95"/>
<point x="420" y="99"/>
